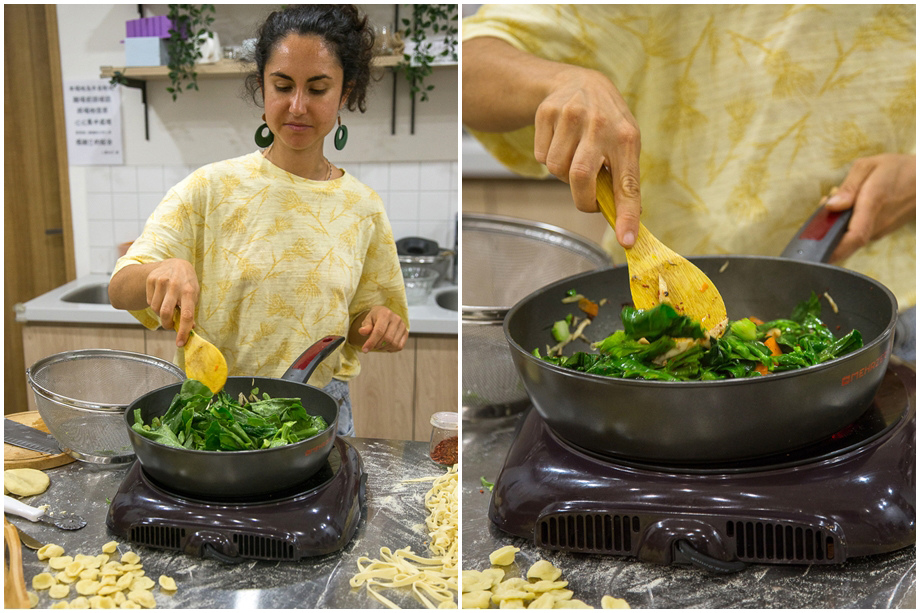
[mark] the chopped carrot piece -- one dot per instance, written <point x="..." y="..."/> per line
<point x="756" y="320"/>
<point x="588" y="306"/>
<point x="761" y="368"/>
<point x="773" y="346"/>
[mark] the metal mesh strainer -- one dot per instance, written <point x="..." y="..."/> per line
<point x="82" y="396"/>
<point x="505" y="259"/>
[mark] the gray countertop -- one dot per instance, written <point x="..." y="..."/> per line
<point x="881" y="581"/>
<point x="394" y="517"/>
<point x="427" y="318"/>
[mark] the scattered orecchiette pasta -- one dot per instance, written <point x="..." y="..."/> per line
<point x="99" y="581"/>
<point x="541" y="589"/>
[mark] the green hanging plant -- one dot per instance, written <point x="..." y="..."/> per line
<point x="190" y="23"/>
<point x="438" y="20"/>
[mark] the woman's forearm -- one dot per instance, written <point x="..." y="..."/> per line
<point x="354" y="336"/>
<point x="128" y="287"/>
<point x="503" y="86"/>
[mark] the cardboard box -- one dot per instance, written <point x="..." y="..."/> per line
<point x="146" y="51"/>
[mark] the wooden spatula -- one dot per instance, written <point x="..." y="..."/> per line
<point x="658" y="274"/>
<point x="203" y="361"/>
<point x="14" y="582"/>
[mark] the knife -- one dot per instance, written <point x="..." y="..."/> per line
<point x="21" y="435"/>
<point x="28" y="540"/>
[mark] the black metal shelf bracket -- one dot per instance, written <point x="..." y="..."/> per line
<point x="141" y="85"/>
<point x="395" y="74"/>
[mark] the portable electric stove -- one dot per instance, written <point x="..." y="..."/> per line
<point x="317" y="517"/>
<point x="848" y="496"/>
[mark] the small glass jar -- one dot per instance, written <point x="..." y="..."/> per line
<point x="443" y="447"/>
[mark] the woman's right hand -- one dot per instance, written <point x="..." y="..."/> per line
<point x="582" y="125"/>
<point x="580" y="119"/>
<point x="172" y="284"/>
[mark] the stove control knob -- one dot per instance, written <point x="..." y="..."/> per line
<point x="686" y="553"/>
<point x="212" y="544"/>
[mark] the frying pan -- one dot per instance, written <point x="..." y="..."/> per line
<point x="242" y="474"/>
<point x="697" y="422"/>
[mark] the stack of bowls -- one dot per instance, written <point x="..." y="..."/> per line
<point x="419" y="282"/>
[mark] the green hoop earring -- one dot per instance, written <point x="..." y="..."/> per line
<point x="263" y="140"/>
<point x="341" y="136"/>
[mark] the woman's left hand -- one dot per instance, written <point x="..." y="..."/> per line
<point x="882" y="190"/>
<point x="380" y="329"/>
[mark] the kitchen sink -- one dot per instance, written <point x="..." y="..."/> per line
<point x="97" y="293"/>
<point x="447" y="300"/>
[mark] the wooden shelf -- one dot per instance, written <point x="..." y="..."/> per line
<point x="220" y="69"/>
<point x="138" y="76"/>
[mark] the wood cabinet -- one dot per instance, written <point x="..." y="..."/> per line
<point x="436" y="380"/>
<point x="383" y="395"/>
<point x="544" y="200"/>
<point x="394" y="397"/>
<point x="160" y="343"/>
<point x="396" y="394"/>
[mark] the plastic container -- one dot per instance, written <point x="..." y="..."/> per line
<point x="419" y="283"/>
<point x="443" y="446"/>
<point x="146" y="51"/>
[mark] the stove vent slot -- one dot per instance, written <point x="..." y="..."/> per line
<point x="791" y="543"/>
<point x="163" y="537"/>
<point x="263" y="548"/>
<point x="588" y="532"/>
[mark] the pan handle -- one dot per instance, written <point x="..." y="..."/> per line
<point x="816" y="240"/>
<point x="304" y="366"/>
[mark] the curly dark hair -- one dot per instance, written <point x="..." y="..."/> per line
<point x="344" y="29"/>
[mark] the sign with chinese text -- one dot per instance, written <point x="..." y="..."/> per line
<point x="92" y="108"/>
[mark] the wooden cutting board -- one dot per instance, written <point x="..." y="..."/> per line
<point x="18" y="457"/>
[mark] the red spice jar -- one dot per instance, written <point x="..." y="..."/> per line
<point x="443" y="446"/>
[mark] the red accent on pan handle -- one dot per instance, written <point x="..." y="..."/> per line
<point x="304" y="366"/>
<point x="819" y="225"/>
<point x="816" y="240"/>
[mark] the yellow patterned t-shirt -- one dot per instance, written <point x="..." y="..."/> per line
<point x="282" y="261"/>
<point x="748" y="113"/>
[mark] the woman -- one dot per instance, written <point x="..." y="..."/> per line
<point x="267" y="253"/>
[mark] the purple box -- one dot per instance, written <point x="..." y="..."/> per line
<point x="157" y="27"/>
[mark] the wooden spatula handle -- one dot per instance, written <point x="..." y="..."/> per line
<point x="605" y="197"/>
<point x="14" y="585"/>
<point x="177" y="318"/>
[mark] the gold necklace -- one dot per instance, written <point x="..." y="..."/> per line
<point x="268" y="152"/>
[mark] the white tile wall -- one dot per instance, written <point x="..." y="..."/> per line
<point x="420" y="198"/>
